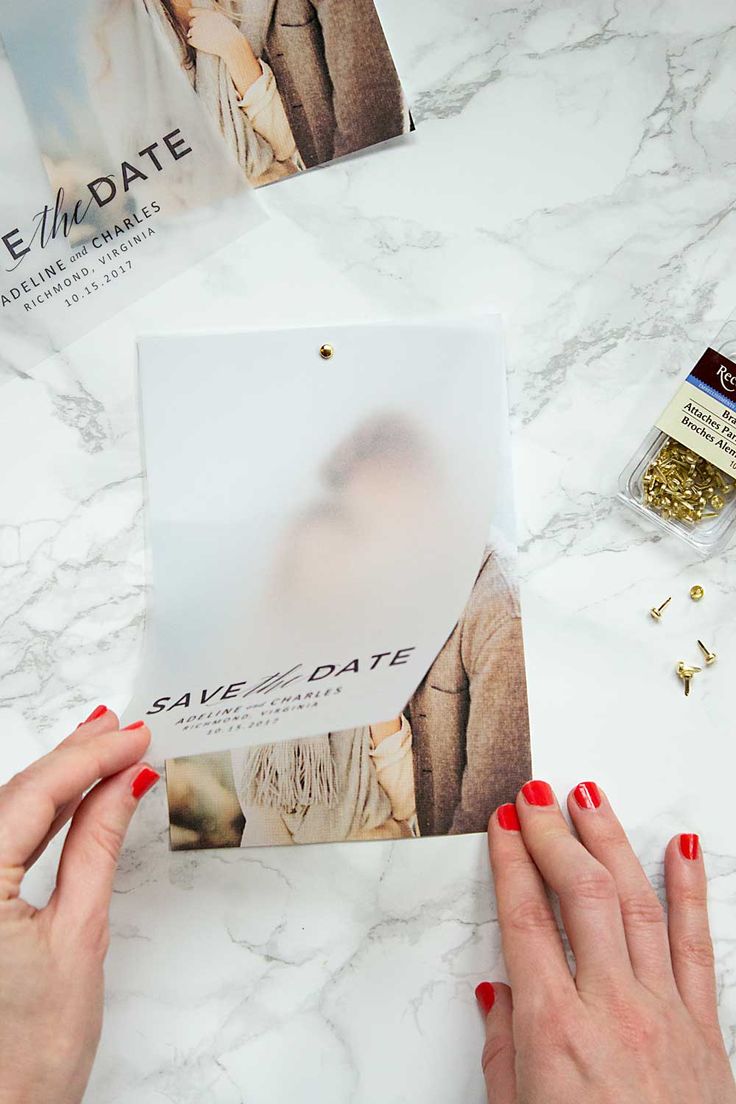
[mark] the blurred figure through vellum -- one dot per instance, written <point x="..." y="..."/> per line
<point x="381" y="499"/>
<point x="379" y="486"/>
<point x="306" y="521"/>
<point x="470" y="746"/>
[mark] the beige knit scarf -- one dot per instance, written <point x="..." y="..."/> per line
<point x="289" y="775"/>
<point x="214" y="87"/>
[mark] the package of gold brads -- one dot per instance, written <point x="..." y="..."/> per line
<point x="683" y="478"/>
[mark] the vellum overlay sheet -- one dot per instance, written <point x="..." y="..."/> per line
<point x="330" y="616"/>
<point x="152" y="119"/>
<point x="114" y="176"/>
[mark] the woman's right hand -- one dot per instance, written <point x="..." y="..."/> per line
<point x="638" y="1022"/>
<point x="51" y="959"/>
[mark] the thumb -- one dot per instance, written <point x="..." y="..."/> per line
<point x="92" y="849"/>
<point x="499" y="1056"/>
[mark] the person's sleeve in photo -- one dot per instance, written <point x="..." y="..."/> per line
<point x="337" y="77"/>
<point x="497" y="746"/>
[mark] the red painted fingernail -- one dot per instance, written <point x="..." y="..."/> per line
<point x="485" y="995"/>
<point x="508" y="818"/>
<point x="689" y="845"/>
<point x="144" y="781"/>
<point x="130" y="727"/>
<point x="587" y="795"/>
<point x="538" y="793"/>
<point x="95" y="715"/>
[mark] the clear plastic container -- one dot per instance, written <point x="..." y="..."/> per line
<point x="672" y="481"/>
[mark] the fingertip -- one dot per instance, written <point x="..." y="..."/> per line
<point x="485" y="995"/>
<point x="684" y="867"/>
<point x="498" y="1057"/>
<point x="144" y="779"/>
<point x="586" y="797"/>
<point x="504" y="827"/>
<point x="492" y="995"/>
<point x="685" y="848"/>
<point x="689" y="845"/>
<point x="507" y="818"/>
<point x="537" y="794"/>
<point x="97" y="712"/>
<point x="137" y="734"/>
<point x="101" y="719"/>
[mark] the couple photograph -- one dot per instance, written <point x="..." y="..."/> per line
<point x="267" y="88"/>
<point x="458" y="750"/>
<point x="291" y="83"/>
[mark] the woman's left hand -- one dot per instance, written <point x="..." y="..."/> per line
<point x="51" y="980"/>
<point x="213" y="33"/>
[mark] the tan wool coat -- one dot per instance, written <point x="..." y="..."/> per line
<point x="469" y="716"/>
<point x="336" y="76"/>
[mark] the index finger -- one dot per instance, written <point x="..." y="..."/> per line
<point x="532" y="945"/>
<point x="32" y="800"/>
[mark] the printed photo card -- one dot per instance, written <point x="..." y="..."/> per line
<point x="334" y="648"/>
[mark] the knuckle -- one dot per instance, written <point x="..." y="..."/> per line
<point x="530" y="916"/>
<point x="497" y="1048"/>
<point x="95" y="935"/>
<point x="20" y="782"/>
<point x="611" y="835"/>
<point x="553" y="1025"/>
<point x="642" y="911"/>
<point x="25" y="800"/>
<point x="593" y="886"/>
<point x="614" y="840"/>
<point x="691" y="898"/>
<point x="697" y="951"/>
<point x="107" y="838"/>
<point x="11" y="879"/>
<point x="561" y="1037"/>
<point x="639" y="1029"/>
<point x="518" y="864"/>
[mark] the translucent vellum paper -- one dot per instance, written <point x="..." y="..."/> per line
<point x="126" y="183"/>
<point x="315" y="526"/>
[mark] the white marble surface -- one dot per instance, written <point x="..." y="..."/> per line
<point x="573" y="168"/>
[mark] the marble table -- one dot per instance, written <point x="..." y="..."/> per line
<point x="573" y="168"/>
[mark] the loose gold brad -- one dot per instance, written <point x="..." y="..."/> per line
<point x="696" y="592"/>
<point x="710" y="657"/>
<point x="686" y="674"/>
<point x="656" y="611"/>
<point x="681" y="485"/>
<point x="326" y="351"/>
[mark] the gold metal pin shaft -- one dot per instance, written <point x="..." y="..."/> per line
<point x="656" y="611"/>
<point x="686" y="674"/>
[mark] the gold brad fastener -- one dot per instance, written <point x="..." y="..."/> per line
<point x="696" y="592"/>
<point x="656" y="611"/>
<point x="710" y="657"/>
<point x="326" y="351"/>
<point x="686" y="674"/>
<point x="684" y="487"/>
